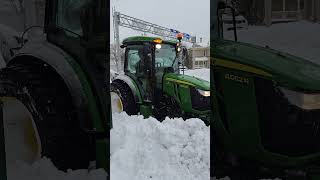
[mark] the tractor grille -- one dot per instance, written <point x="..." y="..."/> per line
<point x="285" y="128"/>
<point x="198" y="101"/>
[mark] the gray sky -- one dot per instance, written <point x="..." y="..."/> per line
<point x="192" y="17"/>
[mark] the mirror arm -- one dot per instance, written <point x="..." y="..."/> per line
<point x="222" y="5"/>
<point x="234" y="25"/>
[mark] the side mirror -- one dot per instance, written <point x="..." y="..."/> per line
<point x="221" y="6"/>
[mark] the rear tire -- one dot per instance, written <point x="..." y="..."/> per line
<point x="48" y="99"/>
<point x="124" y="92"/>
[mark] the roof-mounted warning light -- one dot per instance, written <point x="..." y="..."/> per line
<point x="179" y="36"/>
<point x="159" y="41"/>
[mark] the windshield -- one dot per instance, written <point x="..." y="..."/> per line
<point x="165" y="55"/>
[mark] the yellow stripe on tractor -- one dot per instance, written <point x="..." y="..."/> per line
<point x="179" y="81"/>
<point x="238" y="66"/>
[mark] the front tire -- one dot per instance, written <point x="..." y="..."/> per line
<point x="129" y="105"/>
<point x="47" y="98"/>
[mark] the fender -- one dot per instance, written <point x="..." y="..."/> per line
<point x="134" y="88"/>
<point x="71" y="73"/>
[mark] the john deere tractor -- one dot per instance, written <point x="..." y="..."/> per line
<point x="152" y="84"/>
<point x="266" y="110"/>
<point x="53" y="90"/>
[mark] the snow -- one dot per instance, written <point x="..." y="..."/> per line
<point x="203" y="73"/>
<point x="144" y="149"/>
<point x="44" y="169"/>
<point x="297" y="38"/>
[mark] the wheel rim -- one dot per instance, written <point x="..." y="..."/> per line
<point x="22" y="139"/>
<point x="116" y="103"/>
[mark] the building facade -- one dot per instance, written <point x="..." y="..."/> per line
<point x="272" y="11"/>
<point x="199" y="57"/>
<point x="312" y="10"/>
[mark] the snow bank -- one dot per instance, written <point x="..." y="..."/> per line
<point x="44" y="169"/>
<point x="148" y="149"/>
<point x="199" y="73"/>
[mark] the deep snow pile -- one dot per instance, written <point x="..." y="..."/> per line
<point x="298" y="38"/>
<point x="203" y="73"/>
<point x="148" y="149"/>
<point x="44" y="169"/>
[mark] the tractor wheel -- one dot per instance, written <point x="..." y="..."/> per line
<point x="50" y="128"/>
<point x="122" y="99"/>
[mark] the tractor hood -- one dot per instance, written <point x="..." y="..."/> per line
<point x="188" y="80"/>
<point x="290" y="71"/>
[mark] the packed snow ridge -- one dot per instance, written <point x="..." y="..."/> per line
<point x="145" y="149"/>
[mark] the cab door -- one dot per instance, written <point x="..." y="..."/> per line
<point x="79" y="27"/>
<point x="139" y="66"/>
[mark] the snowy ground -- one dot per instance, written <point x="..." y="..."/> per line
<point x="144" y="149"/>
<point x="298" y="38"/>
<point x="203" y="73"/>
<point x="45" y="170"/>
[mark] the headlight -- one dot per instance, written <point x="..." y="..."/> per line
<point x="200" y="99"/>
<point x="204" y="93"/>
<point x="302" y="100"/>
<point x="158" y="46"/>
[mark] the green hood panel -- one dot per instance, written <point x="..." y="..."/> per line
<point x="188" y="80"/>
<point x="288" y="70"/>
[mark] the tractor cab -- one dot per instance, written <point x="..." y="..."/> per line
<point x="147" y="59"/>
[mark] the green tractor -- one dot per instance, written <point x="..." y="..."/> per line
<point x="53" y="91"/>
<point x="152" y="84"/>
<point x="266" y="110"/>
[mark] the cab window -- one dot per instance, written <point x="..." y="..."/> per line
<point x="134" y="58"/>
<point x="69" y="14"/>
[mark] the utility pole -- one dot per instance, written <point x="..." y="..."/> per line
<point x="268" y="12"/>
<point x="116" y="24"/>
